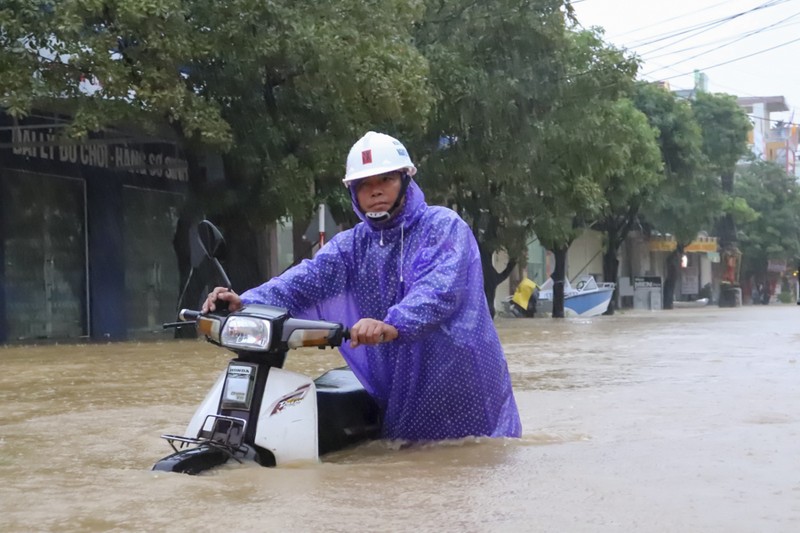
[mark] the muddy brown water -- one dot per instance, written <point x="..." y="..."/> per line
<point x="672" y="421"/>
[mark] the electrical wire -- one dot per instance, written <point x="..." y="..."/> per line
<point x="745" y="36"/>
<point x="736" y="59"/>
<point x="702" y="27"/>
<point x="699" y="29"/>
<point x="777" y="25"/>
<point x="775" y="120"/>
<point x="672" y="18"/>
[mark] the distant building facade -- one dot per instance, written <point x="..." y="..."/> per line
<point x="771" y="139"/>
<point x="86" y="232"/>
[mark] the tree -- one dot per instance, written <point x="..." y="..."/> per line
<point x="584" y="143"/>
<point x="725" y="127"/>
<point x="280" y="89"/>
<point x="107" y="62"/>
<point x="774" y="233"/>
<point x="299" y="86"/>
<point x="688" y="198"/>
<point x="495" y="67"/>
<point x="629" y="183"/>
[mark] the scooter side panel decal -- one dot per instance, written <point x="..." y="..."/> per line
<point x="293" y="398"/>
<point x="287" y="422"/>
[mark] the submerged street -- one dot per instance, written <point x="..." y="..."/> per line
<point x="683" y="420"/>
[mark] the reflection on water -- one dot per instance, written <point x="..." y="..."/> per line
<point x="673" y="421"/>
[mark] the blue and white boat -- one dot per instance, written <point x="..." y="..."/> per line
<point x="587" y="298"/>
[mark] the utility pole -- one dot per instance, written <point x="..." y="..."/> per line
<point x="730" y="294"/>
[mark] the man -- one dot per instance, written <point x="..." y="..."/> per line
<point x="407" y="281"/>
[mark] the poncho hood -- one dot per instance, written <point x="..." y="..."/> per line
<point x="407" y="214"/>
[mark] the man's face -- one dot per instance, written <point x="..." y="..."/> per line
<point x="376" y="194"/>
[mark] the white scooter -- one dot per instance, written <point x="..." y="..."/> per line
<point x="258" y="411"/>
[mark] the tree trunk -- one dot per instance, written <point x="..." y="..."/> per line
<point x="611" y="267"/>
<point x="559" y="274"/>
<point x="491" y="277"/>
<point x="727" y="225"/>
<point x="671" y="280"/>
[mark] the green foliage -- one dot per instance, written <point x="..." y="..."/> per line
<point x="588" y="138"/>
<point x="496" y="71"/>
<point x="283" y="89"/>
<point x="634" y="172"/>
<point x="724" y="126"/>
<point x="739" y="209"/>
<point x="300" y="85"/>
<point x="518" y="92"/>
<point x="634" y="159"/>
<point x="544" y="129"/>
<point x="679" y="134"/>
<point x="689" y="199"/>
<point x="131" y="50"/>
<point x="775" y="232"/>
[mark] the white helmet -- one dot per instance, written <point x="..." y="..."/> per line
<point x="376" y="153"/>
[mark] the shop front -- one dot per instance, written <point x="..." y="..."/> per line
<point x="86" y="232"/>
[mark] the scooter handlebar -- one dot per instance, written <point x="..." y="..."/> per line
<point x="185" y="315"/>
<point x="337" y="334"/>
<point x="188" y="315"/>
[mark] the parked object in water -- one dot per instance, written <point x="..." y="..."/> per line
<point x="587" y="298"/>
<point x="700" y="302"/>
<point x="522" y="304"/>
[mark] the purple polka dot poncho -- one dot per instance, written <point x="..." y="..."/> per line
<point x="445" y="377"/>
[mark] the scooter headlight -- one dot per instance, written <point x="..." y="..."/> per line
<point x="246" y="333"/>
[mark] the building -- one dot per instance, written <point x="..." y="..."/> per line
<point x="771" y="139"/>
<point x="86" y="231"/>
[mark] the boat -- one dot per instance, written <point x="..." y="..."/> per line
<point x="586" y="298"/>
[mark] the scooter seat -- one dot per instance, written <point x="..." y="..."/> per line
<point x="347" y="414"/>
<point x="338" y="380"/>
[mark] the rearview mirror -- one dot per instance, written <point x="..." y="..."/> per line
<point x="206" y="246"/>
<point x="210" y="239"/>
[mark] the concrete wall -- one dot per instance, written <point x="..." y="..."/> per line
<point x="585" y="256"/>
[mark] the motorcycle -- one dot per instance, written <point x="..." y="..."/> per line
<point x="256" y="410"/>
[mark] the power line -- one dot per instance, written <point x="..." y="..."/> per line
<point x="737" y="58"/>
<point x="703" y="27"/>
<point x="754" y="32"/>
<point x="775" y="120"/>
<point x="735" y="38"/>
<point x="673" y="18"/>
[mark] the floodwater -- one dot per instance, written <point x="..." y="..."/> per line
<point x="674" y="421"/>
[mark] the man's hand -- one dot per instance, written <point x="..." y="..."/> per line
<point x="224" y="294"/>
<point x="371" y="331"/>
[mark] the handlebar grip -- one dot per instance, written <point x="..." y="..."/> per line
<point x="188" y="315"/>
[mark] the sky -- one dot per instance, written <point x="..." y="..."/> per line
<point x="673" y="38"/>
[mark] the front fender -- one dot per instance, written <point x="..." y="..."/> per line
<point x="192" y="461"/>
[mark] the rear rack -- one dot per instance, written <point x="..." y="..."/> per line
<point x="224" y="440"/>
